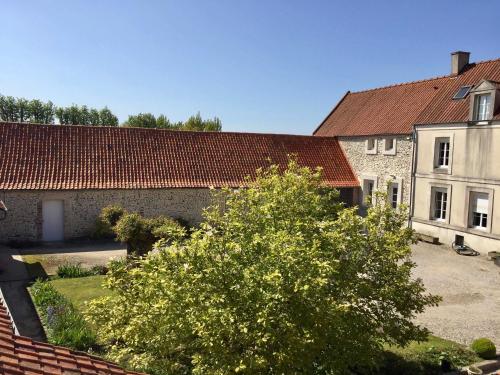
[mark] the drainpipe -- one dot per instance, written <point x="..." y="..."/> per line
<point x="413" y="171"/>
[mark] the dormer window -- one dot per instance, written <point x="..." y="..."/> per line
<point x="482" y="106"/>
<point x="484" y="101"/>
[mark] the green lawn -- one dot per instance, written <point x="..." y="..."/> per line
<point x="82" y="289"/>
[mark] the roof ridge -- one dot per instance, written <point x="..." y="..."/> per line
<point x="425" y="79"/>
<point x="158" y="129"/>
<point x="404" y="83"/>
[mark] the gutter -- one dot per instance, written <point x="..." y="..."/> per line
<point x="413" y="172"/>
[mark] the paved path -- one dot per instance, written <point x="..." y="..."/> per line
<point x="14" y="280"/>
<point x="470" y="287"/>
<point x="87" y="253"/>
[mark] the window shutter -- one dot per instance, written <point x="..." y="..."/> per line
<point x="480" y="203"/>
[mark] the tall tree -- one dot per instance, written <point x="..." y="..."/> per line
<point x="283" y="280"/>
<point x="107" y="118"/>
<point x="141" y="120"/>
<point x="193" y="123"/>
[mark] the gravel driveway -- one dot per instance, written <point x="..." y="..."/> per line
<point x="470" y="287"/>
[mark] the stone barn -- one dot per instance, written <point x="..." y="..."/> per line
<point x="55" y="179"/>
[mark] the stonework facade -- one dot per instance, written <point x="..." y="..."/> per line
<point x="379" y="165"/>
<point x="81" y="208"/>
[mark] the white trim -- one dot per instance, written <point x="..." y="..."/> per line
<point x="391" y="151"/>
<point x="362" y="179"/>
<point x="372" y="151"/>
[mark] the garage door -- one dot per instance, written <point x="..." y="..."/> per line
<point x="53" y="220"/>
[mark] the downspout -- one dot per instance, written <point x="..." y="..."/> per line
<point x="413" y="172"/>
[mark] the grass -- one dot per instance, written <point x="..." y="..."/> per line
<point x="82" y="289"/>
<point x="40" y="266"/>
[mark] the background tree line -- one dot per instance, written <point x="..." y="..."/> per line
<point x="36" y="111"/>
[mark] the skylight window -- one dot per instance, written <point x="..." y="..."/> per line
<point x="462" y="92"/>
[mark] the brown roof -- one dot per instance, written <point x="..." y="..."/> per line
<point x="85" y="157"/>
<point x="395" y="109"/>
<point x="21" y="355"/>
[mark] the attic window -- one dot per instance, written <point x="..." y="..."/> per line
<point x="462" y="92"/>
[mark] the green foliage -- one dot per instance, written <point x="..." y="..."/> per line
<point x="72" y="270"/>
<point x="82" y="115"/>
<point x="283" y="280"/>
<point x="194" y="123"/>
<point x="23" y="110"/>
<point x="485" y="348"/>
<point x="141" y="233"/>
<point x="64" y="324"/>
<point x="107" y="219"/>
<point x="432" y="356"/>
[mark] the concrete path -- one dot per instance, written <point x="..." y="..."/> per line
<point x="470" y="287"/>
<point x="14" y="280"/>
<point x="87" y="253"/>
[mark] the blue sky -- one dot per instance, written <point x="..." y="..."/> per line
<point x="259" y="65"/>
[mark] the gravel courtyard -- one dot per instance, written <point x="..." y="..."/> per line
<point x="470" y="287"/>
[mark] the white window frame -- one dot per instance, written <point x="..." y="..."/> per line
<point x="473" y="192"/>
<point x="392" y="150"/>
<point x="399" y="183"/>
<point x="438" y="167"/>
<point x="444" y="207"/>
<point x="482" y="111"/>
<point x="366" y="182"/>
<point x="373" y="150"/>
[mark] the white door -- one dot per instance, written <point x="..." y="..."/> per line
<point x="53" y="220"/>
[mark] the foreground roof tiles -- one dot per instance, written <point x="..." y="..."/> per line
<point x="20" y="355"/>
<point x="395" y="109"/>
<point x="48" y="157"/>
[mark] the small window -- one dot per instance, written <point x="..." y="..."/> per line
<point x="462" y="92"/>
<point x="393" y="195"/>
<point x="440" y="204"/>
<point x="390" y="146"/>
<point x="371" y="146"/>
<point x="368" y="187"/>
<point x="478" y="210"/>
<point x="482" y="104"/>
<point x="443" y="153"/>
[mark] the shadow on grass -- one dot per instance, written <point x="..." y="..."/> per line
<point x="395" y="364"/>
<point x="36" y="270"/>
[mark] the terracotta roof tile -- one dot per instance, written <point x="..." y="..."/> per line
<point x="83" y="157"/>
<point x="20" y="355"/>
<point x="395" y="109"/>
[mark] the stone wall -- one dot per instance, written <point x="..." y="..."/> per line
<point x="380" y="165"/>
<point x="81" y="208"/>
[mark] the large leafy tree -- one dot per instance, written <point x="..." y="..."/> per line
<point x="82" y="115"/>
<point x="23" y="110"/>
<point x="279" y="279"/>
<point x="194" y="123"/>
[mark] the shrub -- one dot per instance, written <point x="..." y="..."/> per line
<point x="64" y="324"/>
<point x="485" y="348"/>
<point x="71" y="270"/>
<point x="107" y="220"/>
<point x="141" y="233"/>
<point x="283" y="281"/>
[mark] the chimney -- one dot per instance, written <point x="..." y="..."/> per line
<point x="458" y="60"/>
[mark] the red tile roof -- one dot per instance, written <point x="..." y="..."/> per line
<point x="83" y="157"/>
<point x="20" y="355"/>
<point x="395" y="109"/>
